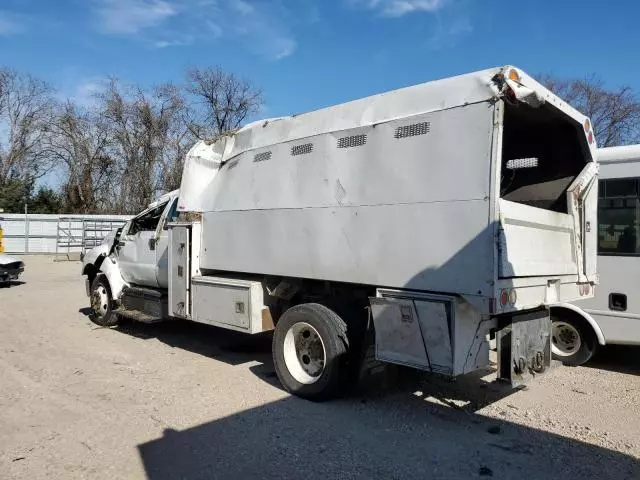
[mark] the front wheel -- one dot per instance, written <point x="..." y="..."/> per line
<point x="573" y="341"/>
<point x="309" y="351"/>
<point x="102" y="303"/>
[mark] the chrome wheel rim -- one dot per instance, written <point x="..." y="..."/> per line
<point x="100" y="301"/>
<point x="565" y="339"/>
<point x="304" y="353"/>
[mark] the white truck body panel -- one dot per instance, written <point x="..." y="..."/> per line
<point x="535" y="242"/>
<point x="399" y="190"/>
<point x="434" y="96"/>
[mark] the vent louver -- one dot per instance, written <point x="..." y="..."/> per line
<point x="413" y="130"/>
<point x="302" y="149"/>
<point x="352" y="141"/>
<point x="261" y="157"/>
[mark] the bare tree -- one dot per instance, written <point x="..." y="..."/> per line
<point x="79" y="139"/>
<point x="26" y="106"/>
<point x="124" y="150"/>
<point x="178" y="139"/>
<point x="220" y="101"/>
<point x="615" y="114"/>
<point x="142" y="127"/>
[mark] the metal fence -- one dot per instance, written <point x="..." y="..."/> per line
<point x="55" y="234"/>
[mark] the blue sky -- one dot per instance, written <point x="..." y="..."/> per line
<point x="307" y="54"/>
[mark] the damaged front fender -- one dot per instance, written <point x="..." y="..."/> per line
<point x="111" y="270"/>
<point x="102" y="259"/>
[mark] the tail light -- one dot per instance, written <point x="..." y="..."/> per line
<point x="588" y="130"/>
<point x="504" y="298"/>
<point x="508" y="297"/>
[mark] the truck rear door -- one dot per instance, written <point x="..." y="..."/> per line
<point x="548" y="186"/>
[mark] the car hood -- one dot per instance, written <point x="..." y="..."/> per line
<point x="7" y="259"/>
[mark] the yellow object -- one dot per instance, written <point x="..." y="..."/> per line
<point x="514" y="75"/>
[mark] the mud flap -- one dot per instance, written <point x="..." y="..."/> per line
<point x="524" y="346"/>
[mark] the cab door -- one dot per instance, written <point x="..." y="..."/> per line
<point x="162" y="244"/>
<point x="137" y="247"/>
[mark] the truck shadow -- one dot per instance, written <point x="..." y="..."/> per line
<point x="12" y="283"/>
<point x="617" y="358"/>
<point x="397" y="436"/>
<point x="466" y="393"/>
<point x="233" y="348"/>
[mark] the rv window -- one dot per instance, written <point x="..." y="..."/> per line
<point x="619" y="217"/>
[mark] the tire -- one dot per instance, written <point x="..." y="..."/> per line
<point x="573" y="341"/>
<point x="310" y="347"/>
<point x="102" y="303"/>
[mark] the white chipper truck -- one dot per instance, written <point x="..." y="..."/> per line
<point x="421" y="221"/>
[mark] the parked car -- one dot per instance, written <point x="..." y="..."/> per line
<point x="10" y="268"/>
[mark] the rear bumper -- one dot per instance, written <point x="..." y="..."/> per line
<point x="526" y="293"/>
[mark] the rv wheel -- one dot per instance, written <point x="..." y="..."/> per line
<point x="572" y="339"/>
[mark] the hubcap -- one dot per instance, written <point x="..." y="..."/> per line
<point x="304" y="353"/>
<point x="565" y="339"/>
<point x="100" y="300"/>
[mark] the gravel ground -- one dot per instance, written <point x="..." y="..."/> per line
<point x="179" y="400"/>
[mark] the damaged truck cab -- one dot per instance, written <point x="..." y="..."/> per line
<point x="412" y="224"/>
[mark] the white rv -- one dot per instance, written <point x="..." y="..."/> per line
<point x="419" y="220"/>
<point x="613" y="315"/>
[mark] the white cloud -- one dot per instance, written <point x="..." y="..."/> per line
<point x="242" y="7"/>
<point x="214" y="28"/>
<point x="262" y="27"/>
<point x="87" y="90"/>
<point x="447" y="35"/>
<point x="10" y="24"/>
<point x="398" y="8"/>
<point x="82" y="92"/>
<point x="132" y="16"/>
<point x="175" y="42"/>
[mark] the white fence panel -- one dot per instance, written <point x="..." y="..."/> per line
<point x="34" y="233"/>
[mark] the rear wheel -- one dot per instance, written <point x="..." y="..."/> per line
<point x="309" y="351"/>
<point x="573" y="341"/>
<point x="102" y="303"/>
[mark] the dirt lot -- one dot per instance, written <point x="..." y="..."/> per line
<point x="183" y="401"/>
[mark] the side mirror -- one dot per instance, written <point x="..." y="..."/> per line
<point x="152" y="244"/>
